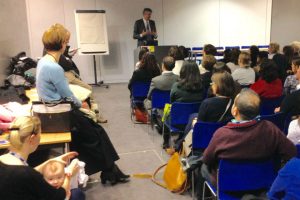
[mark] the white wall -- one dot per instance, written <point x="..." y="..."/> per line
<point x="14" y="32"/>
<point x="116" y="67"/>
<point x="219" y="22"/>
<point x="182" y="22"/>
<point x="285" y="21"/>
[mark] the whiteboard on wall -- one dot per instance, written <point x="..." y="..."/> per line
<point x="91" y="31"/>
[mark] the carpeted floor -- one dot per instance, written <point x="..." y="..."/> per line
<point x="138" y="146"/>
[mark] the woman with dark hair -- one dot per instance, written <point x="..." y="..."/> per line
<point x="141" y="54"/>
<point x="189" y="87"/>
<point x="220" y="67"/>
<point x="208" y="63"/>
<point x="148" y="69"/>
<point x="184" y="52"/>
<point x="233" y="63"/>
<point x="254" y="51"/>
<point x="288" y="52"/>
<point x="268" y="85"/>
<point x="227" y="55"/>
<point x="176" y="53"/>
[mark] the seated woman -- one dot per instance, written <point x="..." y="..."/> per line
<point x="188" y="89"/>
<point x="268" y="85"/>
<point x="147" y="70"/>
<point x="178" y="56"/>
<point x="217" y="108"/>
<point x="233" y="63"/>
<point x="208" y="63"/>
<point x="244" y="75"/>
<point x="20" y="181"/>
<point x="88" y="137"/>
<point x="291" y="82"/>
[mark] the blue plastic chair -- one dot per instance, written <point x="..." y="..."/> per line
<point x="239" y="176"/>
<point x="139" y="92"/>
<point x="158" y="100"/>
<point x="179" y="115"/>
<point x="203" y="132"/>
<point x="268" y="106"/>
<point x="263" y="46"/>
<point x="278" y="119"/>
<point x="245" y="47"/>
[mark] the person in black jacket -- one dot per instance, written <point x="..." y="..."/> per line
<point x="145" y="29"/>
<point x="20" y="181"/>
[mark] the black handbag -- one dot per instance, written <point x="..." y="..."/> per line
<point x="55" y="116"/>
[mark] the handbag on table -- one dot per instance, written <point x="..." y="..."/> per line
<point x="55" y="116"/>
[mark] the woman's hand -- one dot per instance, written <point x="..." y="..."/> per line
<point x="277" y="110"/>
<point x="65" y="158"/>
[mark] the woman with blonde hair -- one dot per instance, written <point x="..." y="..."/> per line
<point x="18" y="180"/>
<point x="88" y="137"/>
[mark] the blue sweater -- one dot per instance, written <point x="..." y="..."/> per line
<point x="51" y="83"/>
<point x="287" y="184"/>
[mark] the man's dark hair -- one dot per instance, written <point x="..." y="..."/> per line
<point x="184" y="51"/>
<point x="248" y="104"/>
<point x="263" y="54"/>
<point x="169" y="63"/>
<point x="147" y="10"/>
<point x="210" y="49"/>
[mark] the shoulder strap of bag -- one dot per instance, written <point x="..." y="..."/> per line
<point x="154" y="179"/>
<point x="227" y="107"/>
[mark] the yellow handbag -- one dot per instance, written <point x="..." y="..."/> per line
<point x="174" y="177"/>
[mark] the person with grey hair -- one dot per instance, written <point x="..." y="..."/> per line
<point x="246" y="137"/>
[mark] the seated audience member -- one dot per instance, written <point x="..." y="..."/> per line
<point x="244" y="75"/>
<point x="268" y="85"/>
<point x="208" y="49"/>
<point x="254" y="51"/>
<point x="245" y="138"/>
<point x="141" y="54"/>
<point x="273" y="49"/>
<point x="226" y="56"/>
<point x="176" y="53"/>
<point x="290" y="103"/>
<point x="217" y="108"/>
<point x="54" y="173"/>
<point x="148" y="69"/>
<point x="288" y="52"/>
<point x="291" y="82"/>
<point x="189" y="87"/>
<point x="287" y="184"/>
<point x="88" y="138"/>
<point x="233" y="63"/>
<point x="208" y="63"/>
<point x="51" y="83"/>
<point x="20" y="181"/>
<point x="184" y="52"/>
<point x="164" y="81"/>
<point x="296" y="47"/>
<point x="294" y="131"/>
<point x="221" y="67"/>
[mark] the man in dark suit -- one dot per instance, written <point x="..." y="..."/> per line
<point x="145" y="30"/>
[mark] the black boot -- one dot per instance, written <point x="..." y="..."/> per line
<point x="120" y="175"/>
<point x="108" y="176"/>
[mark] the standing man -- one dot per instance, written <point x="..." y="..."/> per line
<point x="145" y="30"/>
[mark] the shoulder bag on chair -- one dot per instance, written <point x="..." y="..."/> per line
<point x="55" y="117"/>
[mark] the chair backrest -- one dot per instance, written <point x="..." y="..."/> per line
<point x="180" y="112"/>
<point x="268" y="106"/>
<point x="237" y="176"/>
<point x="278" y="119"/>
<point x="232" y="47"/>
<point x="298" y="150"/>
<point x="160" y="98"/>
<point x="140" y="89"/>
<point x="203" y="132"/>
